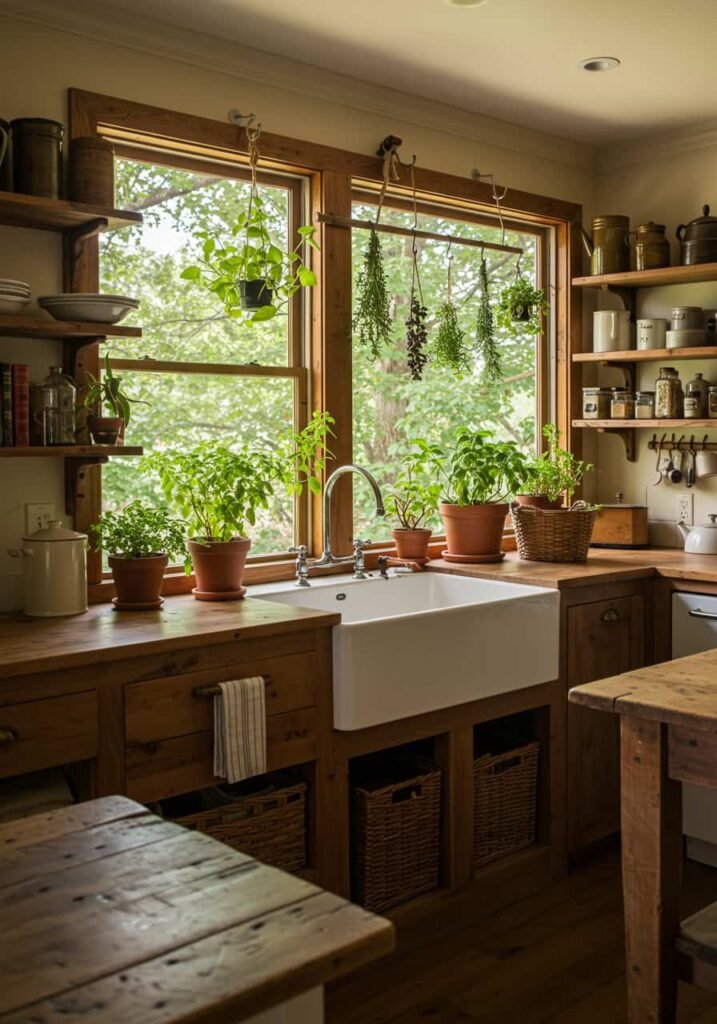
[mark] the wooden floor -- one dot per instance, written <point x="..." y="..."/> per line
<point x="556" y="958"/>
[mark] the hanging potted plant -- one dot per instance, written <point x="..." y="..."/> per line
<point x="108" y="391"/>
<point x="411" y="503"/>
<point x="139" y="541"/>
<point x="555" y="474"/>
<point x="218" y="492"/>
<point x="486" y="344"/>
<point x="476" y="477"/>
<point x="521" y="307"/>
<point x="449" y="347"/>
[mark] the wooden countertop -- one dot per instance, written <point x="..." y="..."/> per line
<point x="679" y="692"/>
<point x="108" y="913"/>
<point x="103" y="634"/>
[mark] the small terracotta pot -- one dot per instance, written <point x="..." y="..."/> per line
<point x="538" y="501"/>
<point x="411" y="543"/>
<point x="473" y="529"/>
<point x="219" y="568"/>
<point x="106" y="429"/>
<point x="138" y="581"/>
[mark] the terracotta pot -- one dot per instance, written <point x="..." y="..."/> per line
<point x="473" y="529"/>
<point x="106" y="429"/>
<point x="219" y="568"/>
<point x="411" y="543"/>
<point x="538" y="501"/>
<point x="138" y="581"/>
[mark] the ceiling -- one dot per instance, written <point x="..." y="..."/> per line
<point x="516" y="60"/>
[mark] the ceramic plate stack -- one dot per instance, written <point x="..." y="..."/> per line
<point x="14" y="295"/>
<point x="88" y="307"/>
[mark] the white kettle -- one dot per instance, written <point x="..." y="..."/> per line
<point x="700" y="540"/>
<point x="54" y="570"/>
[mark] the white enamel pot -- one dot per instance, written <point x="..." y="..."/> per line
<point x="54" y="572"/>
<point x="612" y="330"/>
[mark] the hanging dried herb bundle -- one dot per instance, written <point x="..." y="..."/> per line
<point x="449" y="348"/>
<point x="416" y="337"/>
<point x="485" y="331"/>
<point x="372" y="319"/>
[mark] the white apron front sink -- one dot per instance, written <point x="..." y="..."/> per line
<point x="417" y="643"/>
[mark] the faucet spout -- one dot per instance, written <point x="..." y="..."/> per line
<point x="328" y="557"/>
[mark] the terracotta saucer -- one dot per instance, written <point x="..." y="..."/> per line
<point x="140" y="606"/>
<point x="473" y="559"/>
<point x="220" y="595"/>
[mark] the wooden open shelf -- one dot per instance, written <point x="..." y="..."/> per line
<point x="652" y="355"/>
<point x="640" y="424"/>
<point x="21" y="211"/>
<point x="46" y="327"/>
<point x="86" y="452"/>
<point x="650" y="278"/>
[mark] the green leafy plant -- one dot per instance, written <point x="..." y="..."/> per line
<point x="225" y="267"/>
<point x="556" y="471"/>
<point x="414" y="497"/>
<point x="521" y="307"/>
<point x="304" y="453"/>
<point x="372" y="319"/>
<point x="107" y="390"/>
<point x="486" y="343"/>
<point x="416" y="337"/>
<point x="476" y="470"/>
<point x="449" y="346"/>
<point x="139" y="531"/>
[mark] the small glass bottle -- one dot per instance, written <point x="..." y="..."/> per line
<point x="669" y="398"/>
<point x="61" y="396"/>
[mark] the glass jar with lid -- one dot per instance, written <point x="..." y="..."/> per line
<point x="596" y="403"/>
<point x="697" y="391"/>
<point x="669" y="397"/>
<point x="645" y="405"/>
<point x="60" y="395"/>
<point x="622" y="404"/>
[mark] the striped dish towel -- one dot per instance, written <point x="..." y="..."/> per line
<point x="240" y="729"/>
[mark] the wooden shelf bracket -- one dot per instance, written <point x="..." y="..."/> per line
<point x="627" y="296"/>
<point x="628" y="439"/>
<point x="628" y="371"/>
<point x="78" y="236"/>
<point x="76" y="476"/>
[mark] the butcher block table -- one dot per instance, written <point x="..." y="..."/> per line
<point x="109" y="913"/>
<point x="668" y="729"/>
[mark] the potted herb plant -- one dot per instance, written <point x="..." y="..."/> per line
<point x="108" y="391"/>
<point x="252" y="275"/>
<point x="411" y="503"/>
<point x="554" y="474"/>
<point x="521" y="307"/>
<point x="219" y="491"/>
<point x="139" y="540"/>
<point x="476" y="477"/>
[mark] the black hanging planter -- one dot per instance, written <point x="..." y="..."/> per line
<point x="521" y="314"/>
<point x="255" y="294"/>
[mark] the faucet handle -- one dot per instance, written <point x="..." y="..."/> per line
<point x="359" y="544"/>
<point x="299" y="549"/>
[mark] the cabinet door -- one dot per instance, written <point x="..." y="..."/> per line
<point x="604" y="638"/>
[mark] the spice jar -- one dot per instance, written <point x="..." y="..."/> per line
<point x="596" y="403"/>
<point x="622" y="404"/>
<point x="698" y="388"/>
<point x="669" y="398"/>
<point x="693" y="406"/>
<point x="645" y="405"/>
<point x="712" y="402"/>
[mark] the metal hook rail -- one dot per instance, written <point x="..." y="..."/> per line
<point x="681" y="443"/>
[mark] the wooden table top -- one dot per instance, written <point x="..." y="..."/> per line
<point x="109" y="914"/>
<point x="679" y="692"/>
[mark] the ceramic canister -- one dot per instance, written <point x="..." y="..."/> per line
<point x="651" y="332"/>
<point x="54" y="571"/>
<point x="686" y="318"/>
<point x="611" y="330"/>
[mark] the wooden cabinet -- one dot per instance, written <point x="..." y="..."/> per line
<point x="602" y="638"/>
<point x="40" y="733"/>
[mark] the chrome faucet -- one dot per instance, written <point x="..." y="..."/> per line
<point x="328" y="557"/>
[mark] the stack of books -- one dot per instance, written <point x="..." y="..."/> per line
<point x="14" y="405"/>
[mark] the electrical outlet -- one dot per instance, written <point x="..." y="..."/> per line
<point x="38" y="516"/>
<point x="685" y="508"/>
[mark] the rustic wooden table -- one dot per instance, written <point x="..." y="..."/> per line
<point x="109" y="913"/>
<point x="668" y="736"/>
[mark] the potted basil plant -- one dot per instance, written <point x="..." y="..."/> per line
<point x="477" y="476"/>
<point x="411" y="503"/>
<point x="107" y="391"/>
<point x="219" y="491"/>
<point x="139" y="540"/>
<point x="554" y="474"/>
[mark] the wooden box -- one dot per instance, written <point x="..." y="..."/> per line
<point x="620" y="526"/>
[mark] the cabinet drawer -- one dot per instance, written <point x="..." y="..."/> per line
<point x="183" y="763"/>
<point x="42" y="733"/>
<point x="162" y="708"/>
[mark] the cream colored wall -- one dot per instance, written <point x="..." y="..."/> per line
<point x="191" y="74"/>
<point x="666" y="180"/>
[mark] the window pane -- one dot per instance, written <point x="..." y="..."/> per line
<point x="179" y="319"/>
<point x="389" y="408"/>
<point x="183" y="410"/>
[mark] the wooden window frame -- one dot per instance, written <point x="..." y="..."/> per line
<point x="333" y="175"/>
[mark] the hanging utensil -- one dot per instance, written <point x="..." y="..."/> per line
<point x="658" y="467"/>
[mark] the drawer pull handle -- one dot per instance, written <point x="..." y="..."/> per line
<point x="7" y="736"/>
<point x="215" y="691"/>
<point x="697" y="613"/>
<point x="610" y="615"/>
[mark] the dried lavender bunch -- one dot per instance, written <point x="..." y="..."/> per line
<point x="416" y="337"/>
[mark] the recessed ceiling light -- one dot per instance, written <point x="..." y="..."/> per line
<point x="600" y="64"/>
<point x="466" y="3"/>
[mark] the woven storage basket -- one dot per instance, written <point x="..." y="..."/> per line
<point x="505" y="790"/>
<point x="554" y="535"/>
<point x="269" y="825"/>
<point x="395" y="836"/>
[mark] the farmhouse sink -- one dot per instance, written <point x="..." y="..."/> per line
<point x="420" y="642"/>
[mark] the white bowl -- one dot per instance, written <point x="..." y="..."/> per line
<point x="15" y="293"/>
<point x="691" y="337"/>
<point x="14" y="284"/>
<point x="12" y="304"/>
<point x="100" y="309"/>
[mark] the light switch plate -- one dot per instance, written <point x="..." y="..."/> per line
<point x="686" y="508"/>
<point x="38" y="516"/>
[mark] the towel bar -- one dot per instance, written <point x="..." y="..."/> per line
<point x="214" y="691"/>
